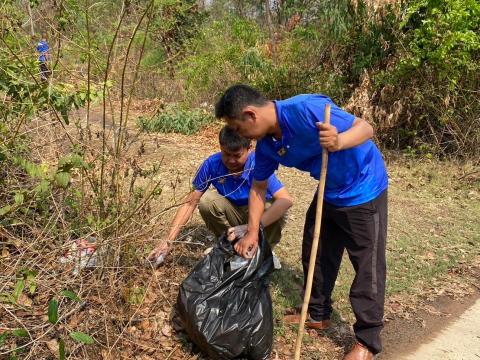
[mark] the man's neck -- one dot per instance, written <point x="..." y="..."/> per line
<point x="274" y="127"/>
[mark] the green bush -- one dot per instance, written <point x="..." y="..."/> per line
<point x="421" y="55"/>
<point x="222" y="52"/>
<point x="435" y="79"/>
<point x="372" y="40"/>
<point x="444" y="35"/>
<point x="174" y="119"/>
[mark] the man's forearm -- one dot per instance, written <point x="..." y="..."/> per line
<point x="276" y="211"/>
<point x="256" y="207"/>
<point x="182" y="216"/>
<point x="360" y="132"/>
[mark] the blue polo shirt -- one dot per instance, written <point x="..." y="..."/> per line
<point x="234" y="188"/>
<point x="354" y="176"/>
<point x="42" y="48"/>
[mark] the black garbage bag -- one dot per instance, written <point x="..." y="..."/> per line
<point x="225" y="305"/>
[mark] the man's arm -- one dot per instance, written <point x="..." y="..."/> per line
<point x="184" y="213"/>
<point x="247" y="246"/>
<point x="282" y="202"/>
<point x="330" y="139"/>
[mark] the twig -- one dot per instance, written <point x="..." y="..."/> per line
<point x="171" y="353"/>
<point x="107" y="69"/>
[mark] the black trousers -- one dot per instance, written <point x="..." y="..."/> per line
<point x="44" y="71"/>
<point x="362" y="231"/>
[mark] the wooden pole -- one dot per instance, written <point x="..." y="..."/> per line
<point x="316" y="241"/>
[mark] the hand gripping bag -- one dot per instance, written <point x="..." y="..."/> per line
<point x="225" y="306"/>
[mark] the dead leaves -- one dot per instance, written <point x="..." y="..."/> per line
<point x="53" y="346"/>
<point x="24" y="300"/>
<point x="167" y="330"/>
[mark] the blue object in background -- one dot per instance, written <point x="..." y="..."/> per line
<point x="42" y="48"/>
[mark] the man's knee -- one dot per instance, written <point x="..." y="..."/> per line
<point x="209" y="204"/>
<point x="204" y="205"/>
<point x="273" y="234"/>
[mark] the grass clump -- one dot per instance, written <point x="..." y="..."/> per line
<point x="174" y="119"/>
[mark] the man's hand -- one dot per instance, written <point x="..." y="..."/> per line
<point x="159" y="253"/>
<point x="247" y="246"/>
<point x="328" y="136"/>
<point x="236" y="232"/>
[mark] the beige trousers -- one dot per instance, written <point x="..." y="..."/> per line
<point x="220" y="214"/>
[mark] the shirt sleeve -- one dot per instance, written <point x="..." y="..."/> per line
<point x="202" y="179"/>
<point x="265" y="165"/>
<point x="339" y="118"/>
<point x="274" y="184"/>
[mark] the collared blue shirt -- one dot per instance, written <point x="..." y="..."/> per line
<point x="42" y="48"/>
<point x="234" y="188"/>
<point x="354" y="176"/>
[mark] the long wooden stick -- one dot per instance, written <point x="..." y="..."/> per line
<point x="316" y="240"/>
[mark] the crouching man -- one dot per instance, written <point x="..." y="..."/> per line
<point x="230" y="173"/>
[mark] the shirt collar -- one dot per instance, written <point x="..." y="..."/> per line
<point x="286" y="133"/>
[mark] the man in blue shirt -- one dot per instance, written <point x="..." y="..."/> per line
<point x="290" y="132"/>
<point x="230" y="172"/>
<point x="42" y="48"/>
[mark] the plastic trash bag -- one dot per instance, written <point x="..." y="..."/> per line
<point x="227" y="312"/>
<point x="82" y="253"/>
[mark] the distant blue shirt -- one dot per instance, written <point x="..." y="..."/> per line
<point x="354" y="176"/>
<point x="42" y="48"/>
<point x="234" y="188"/>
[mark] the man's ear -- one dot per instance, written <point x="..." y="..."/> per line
<point x="249" y="112"/>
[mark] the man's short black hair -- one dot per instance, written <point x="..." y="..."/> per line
<point x="235" y="99"/>
<point x="232" y="140"/>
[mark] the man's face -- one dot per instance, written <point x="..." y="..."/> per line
<point x="234" y="161"/>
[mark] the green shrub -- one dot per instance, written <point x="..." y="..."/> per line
<point x="222" y="52"/>
<point x="372" y="40"/>
<point x="444" y="35"/>
<point x="174" y="119"/>
<point x="435" y="79"/>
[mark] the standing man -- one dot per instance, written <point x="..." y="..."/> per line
<point x="43" y="58"/>
<point x="230" y="172"/>
<point x="290" y="132"/>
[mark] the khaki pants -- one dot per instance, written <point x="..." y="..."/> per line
<point x="220" y="214"/>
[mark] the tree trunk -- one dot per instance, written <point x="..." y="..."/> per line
<point x="268" y="19"/>
<point x="32" y="30"/>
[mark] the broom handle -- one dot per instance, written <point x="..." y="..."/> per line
<point x="316" y="240"/>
